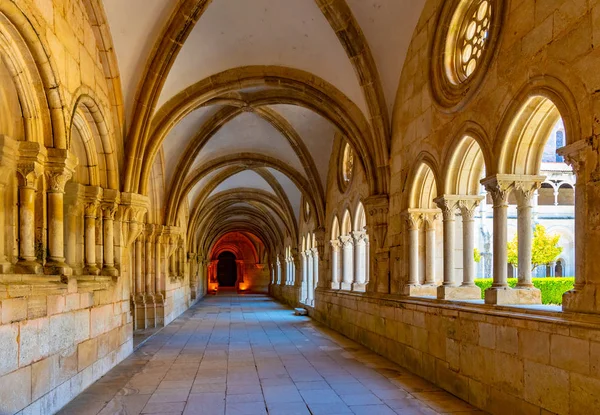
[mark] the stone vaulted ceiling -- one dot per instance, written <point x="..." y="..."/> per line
<point x="241" y="100"/>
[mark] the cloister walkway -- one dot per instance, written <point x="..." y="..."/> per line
<point x="248" y="355"/>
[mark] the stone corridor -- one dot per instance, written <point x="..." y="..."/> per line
<point x="249" y="355"/>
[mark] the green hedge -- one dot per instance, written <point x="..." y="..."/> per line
<point x="552" y="288"/>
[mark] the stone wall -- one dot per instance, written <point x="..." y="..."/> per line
<point x="494" y="359"/>
<point x="57" y="340"/>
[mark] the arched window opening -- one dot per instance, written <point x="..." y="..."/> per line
<point x="533" y="194"/>
<point x="422" y="217"/>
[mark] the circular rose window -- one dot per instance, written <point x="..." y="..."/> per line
<point x="464" y="43"/>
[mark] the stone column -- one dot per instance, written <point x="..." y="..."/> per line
<point x="309" y="278"/>
<point x="8" y="158"/>
<point x="347" y="262"/>
<point x="90" y="209"/>
<point x="158" y="280"/>
<point x="448" y="207"/>
<point x="139" y="285"/>
<point x="27" y="263"/>
<point x="413" y="221"/>
<point x="149" y="280"/>
<point x="430" y="221"/>
<point x="304" y="284"/>
<point x="73" y="214"/>
<point x="335" y="264"/>
<point x="359" y="283"/>
<point x="499" y="187"/>
<point x="524" y="192"/>
<point x="315" y="273"/>
<point x="240" y="271"/>
<point x="109" y="210"/>
<point x="59" y="171"/>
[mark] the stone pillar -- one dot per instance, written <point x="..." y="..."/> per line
<point x="59" y="170"/>
<point x="413" y="221"/>
<point x="158" y="254"/>
<point x="582" y="156"/>
<point x="109" y="210"/>
<point x="499" y="187"/>
<point x="309" y="278"/>
<point x="359" y="283"/>
<point x="240" y="271"/>
<point x="30" y="167"/>
<point x="28" y="261"/>
<point x="73" y="214"/>
<point x="8" y="159"/>
<point x="430" y="221"/>
<point x="90" y="209"/>
<point x="149" y="277"/>
<point x="347" y="262"/>
<point x="315" y="273"/>
<point x="448" y="207"/>
<point x="335" y="264"/>
<point x="524" y="192"/>
<point x="467" y="290"/>
<point x="377" y="210"/>
<point x="304" y="283"/>
<point x="139" y="285"/>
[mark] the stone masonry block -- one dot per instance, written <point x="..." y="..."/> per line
<point x="14" y="309"/>
<point x="15" y="391"/>
<point x="547" y="387"/>
<point x="9" y="348"/>
<point x="570" y="354"/>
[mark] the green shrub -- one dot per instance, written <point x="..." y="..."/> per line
<point x="552" y="288"/>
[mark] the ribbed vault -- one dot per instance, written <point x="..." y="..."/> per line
<point x="241" y="102"/>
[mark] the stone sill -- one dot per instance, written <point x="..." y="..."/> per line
<point x="538" y="313"/>
<point x="27" y="285"/>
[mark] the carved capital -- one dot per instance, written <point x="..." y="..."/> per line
<point x="359" y="237"/>
<point x="448" y="207"/>
<point x="335" y="245"/>
<point x="468" y="206"/>
<point x="56" y="180"/>
<point x="576" y="155"/>
<point x="90" y="208"/>
<point x="499" y="187"/>
<point x="430" y="220"/>
<point x="346" y="241"/>
<point x="525" y="190"/>
<point x="413" y="218"/>
<point x="29" y="172"/>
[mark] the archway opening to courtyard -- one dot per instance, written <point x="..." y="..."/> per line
<point x="533" y="205"/>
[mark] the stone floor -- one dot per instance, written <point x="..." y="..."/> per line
<point x="250" y="355"/>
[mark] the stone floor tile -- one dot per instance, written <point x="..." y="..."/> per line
<point x="244" y="355"/>
<point x="372" y="410"/>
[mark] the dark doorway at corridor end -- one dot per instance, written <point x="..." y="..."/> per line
<point x="227" y="270"/>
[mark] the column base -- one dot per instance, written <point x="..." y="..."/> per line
<point x="57" y="267"/>
<point x="516" y="296"/>
<point x="345" y="286"/>
<point x="28" y="267"/>
<point x="418" y="290"/>
<point x="139" y="313"/>
<point x="335" y="285"/>
<point x="6" y="268"/>
<point x="150" y="313"/>
<point x="110" y="271"/>
<point x="356" y="286"/>
<point x="447" y="292"/>
<point x="583" y="300"/>
<point x="91" y="270"/>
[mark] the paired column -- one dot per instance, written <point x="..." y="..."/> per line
<point x="59" y="170"/>
<point x="359" y="242"/>
<point x="347" y="262"/>
<point x="415" y="219"/>
<point x="28" y="260"/>
<point x="109" y="210"/>
<point x="430" y="252"/>
<point x="524" y="193"/>
<point x="335" y="264"/>
<point x="90" y="211"/>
